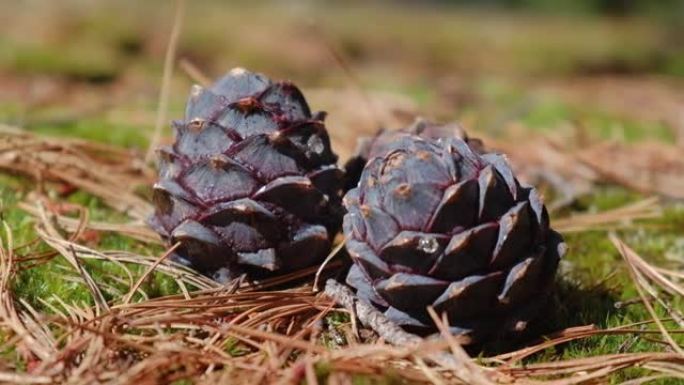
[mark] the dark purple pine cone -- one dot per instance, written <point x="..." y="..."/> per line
<point x="434" y="223"/>
<point x="251" y="183"/>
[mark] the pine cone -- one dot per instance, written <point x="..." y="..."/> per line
<point x="434" y="223"/>
<point x="251" y="183"/>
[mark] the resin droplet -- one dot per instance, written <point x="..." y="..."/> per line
<point x="195" y="91"/>
<point x="315" y="144"/>
<point x="428" y="245"/>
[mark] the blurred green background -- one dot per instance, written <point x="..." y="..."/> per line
<point x="94" y="67"/>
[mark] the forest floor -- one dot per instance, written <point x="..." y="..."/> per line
<point x="589" y="109"/>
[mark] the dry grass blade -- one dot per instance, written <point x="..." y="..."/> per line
<point x="643" y="287"/>
<point x="558" y="338"/>
<point x="672" y="369"/>
<point x="611" y="219"/>
<point x="644" y="380"/>
<point x="612" y="362"/>
<point x="19" y="378"/>
<point x="149" y="270"/>
<point x="290" y="277"/>
<point x="462" y="365"/>
<point x="570" y="334"/>
<point x="657" y="275"/>
<point x="325" y="262"/>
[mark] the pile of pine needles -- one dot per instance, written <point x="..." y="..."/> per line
<point x="281" y="330"/>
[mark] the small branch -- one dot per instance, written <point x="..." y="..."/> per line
<point x="370" y="316"/>
<point x="395" y="335"/>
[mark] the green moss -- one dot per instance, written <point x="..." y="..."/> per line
<point x="675" y="65"/>
<point x="97" y="129"/>
<point x="548" y="114"/>
<point x="182" y="382"/>
<point x="56" y="278"/>
<point x="612" y="127"/>
<point x="80" y="60"/>
<point x="10" y="111"/>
